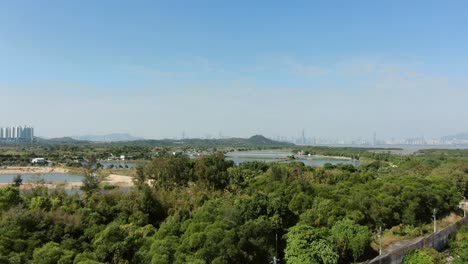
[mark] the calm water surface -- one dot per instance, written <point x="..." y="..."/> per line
<point x="116" y="164"/>
<point x="49" y="177"/>
<point x="282" y="156"/>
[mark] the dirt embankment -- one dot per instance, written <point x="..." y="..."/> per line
<point x="32" y="170"/>
<point x="121" y="180"/>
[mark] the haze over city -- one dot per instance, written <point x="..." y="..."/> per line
<point x="154" y="70"/>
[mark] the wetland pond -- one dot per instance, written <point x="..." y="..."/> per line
<point x="284" y="157"/>
<point x="48" y="177"/>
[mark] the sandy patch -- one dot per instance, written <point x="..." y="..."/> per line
<point x="120" y="180"/>
<point x="31" y="170"/>
<point x="113" y="179"/>
<point x="330" y="157"/>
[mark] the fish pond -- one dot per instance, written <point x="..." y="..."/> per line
<point x="286" y="157"/>
<point x="48" y="177"/>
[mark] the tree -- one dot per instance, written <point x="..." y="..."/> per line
<point x="211" y="171"/>
<point x="90" y="183"/>
<point x="118" y="243"/>
<point x="52" y="253"/>
<point x="323" y="212"/>
<point x="90" y="179"/>
<point x="17" y="180"/>
<point x="211" y="235"/>
<point x="256" y="238"/>
<point x="350" y="239"/>
<point x="306" y="244"/>
<point x="9" y="197"/>
<point x="140" y="179"/>
<point x="300" y="203"/>
<point x="86" y="258"/>
<point x="167" y="172"/>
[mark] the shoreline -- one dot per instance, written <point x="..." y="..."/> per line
<point x="119" y="180"/>
<point x="112" y="179"/>
<point x="31" y="170"/>
<point x="331" y="157"/>
<point x="299" y="157"/>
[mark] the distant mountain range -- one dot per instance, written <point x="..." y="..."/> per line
<point x="125" y="139"/>
<point x="59" y="141"/>
<point x="117" y="137"/>
<point x="257" y="140"/>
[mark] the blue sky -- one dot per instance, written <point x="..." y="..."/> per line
<point x="151" y="68"/>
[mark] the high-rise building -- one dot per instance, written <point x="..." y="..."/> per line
<point x="17" y="133"/>
<point x="8" y="132"/>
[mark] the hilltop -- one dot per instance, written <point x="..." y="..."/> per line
<point x="114" y="137"/>
<point x="254" y="141"/>
<point x="59" y="141"/>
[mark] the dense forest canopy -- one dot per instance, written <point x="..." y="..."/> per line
<point x="209" y="210"/>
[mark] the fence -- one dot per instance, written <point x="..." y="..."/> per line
<point x="438" y="240"/>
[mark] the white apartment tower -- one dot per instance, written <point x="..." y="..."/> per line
<point x="17" y="133"/>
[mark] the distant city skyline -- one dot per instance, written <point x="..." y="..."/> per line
<point x="154" y="69"/>
<point x="303" y="139"/>
<point x="17" y="133"/>
<point x="370" y="138"/>
<point x="28" y="133"/>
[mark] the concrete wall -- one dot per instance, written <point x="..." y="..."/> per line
<point x="437" y="240"/>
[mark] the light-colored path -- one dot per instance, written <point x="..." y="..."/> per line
<point x="31" y="170"/>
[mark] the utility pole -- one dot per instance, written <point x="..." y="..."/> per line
<point x="380" y="241"/>
<point x="435" y="220"/>
<point x="275" y="259"/>
<point x="464" y="211"/>
<point x="462" y="206"/>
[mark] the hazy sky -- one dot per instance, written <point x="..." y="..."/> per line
<point x="153" y="69"/>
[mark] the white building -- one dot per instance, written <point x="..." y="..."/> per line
<point x="23" y="133"/>
<point x="39" y="160"/>
<point x="7" y="132"/>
